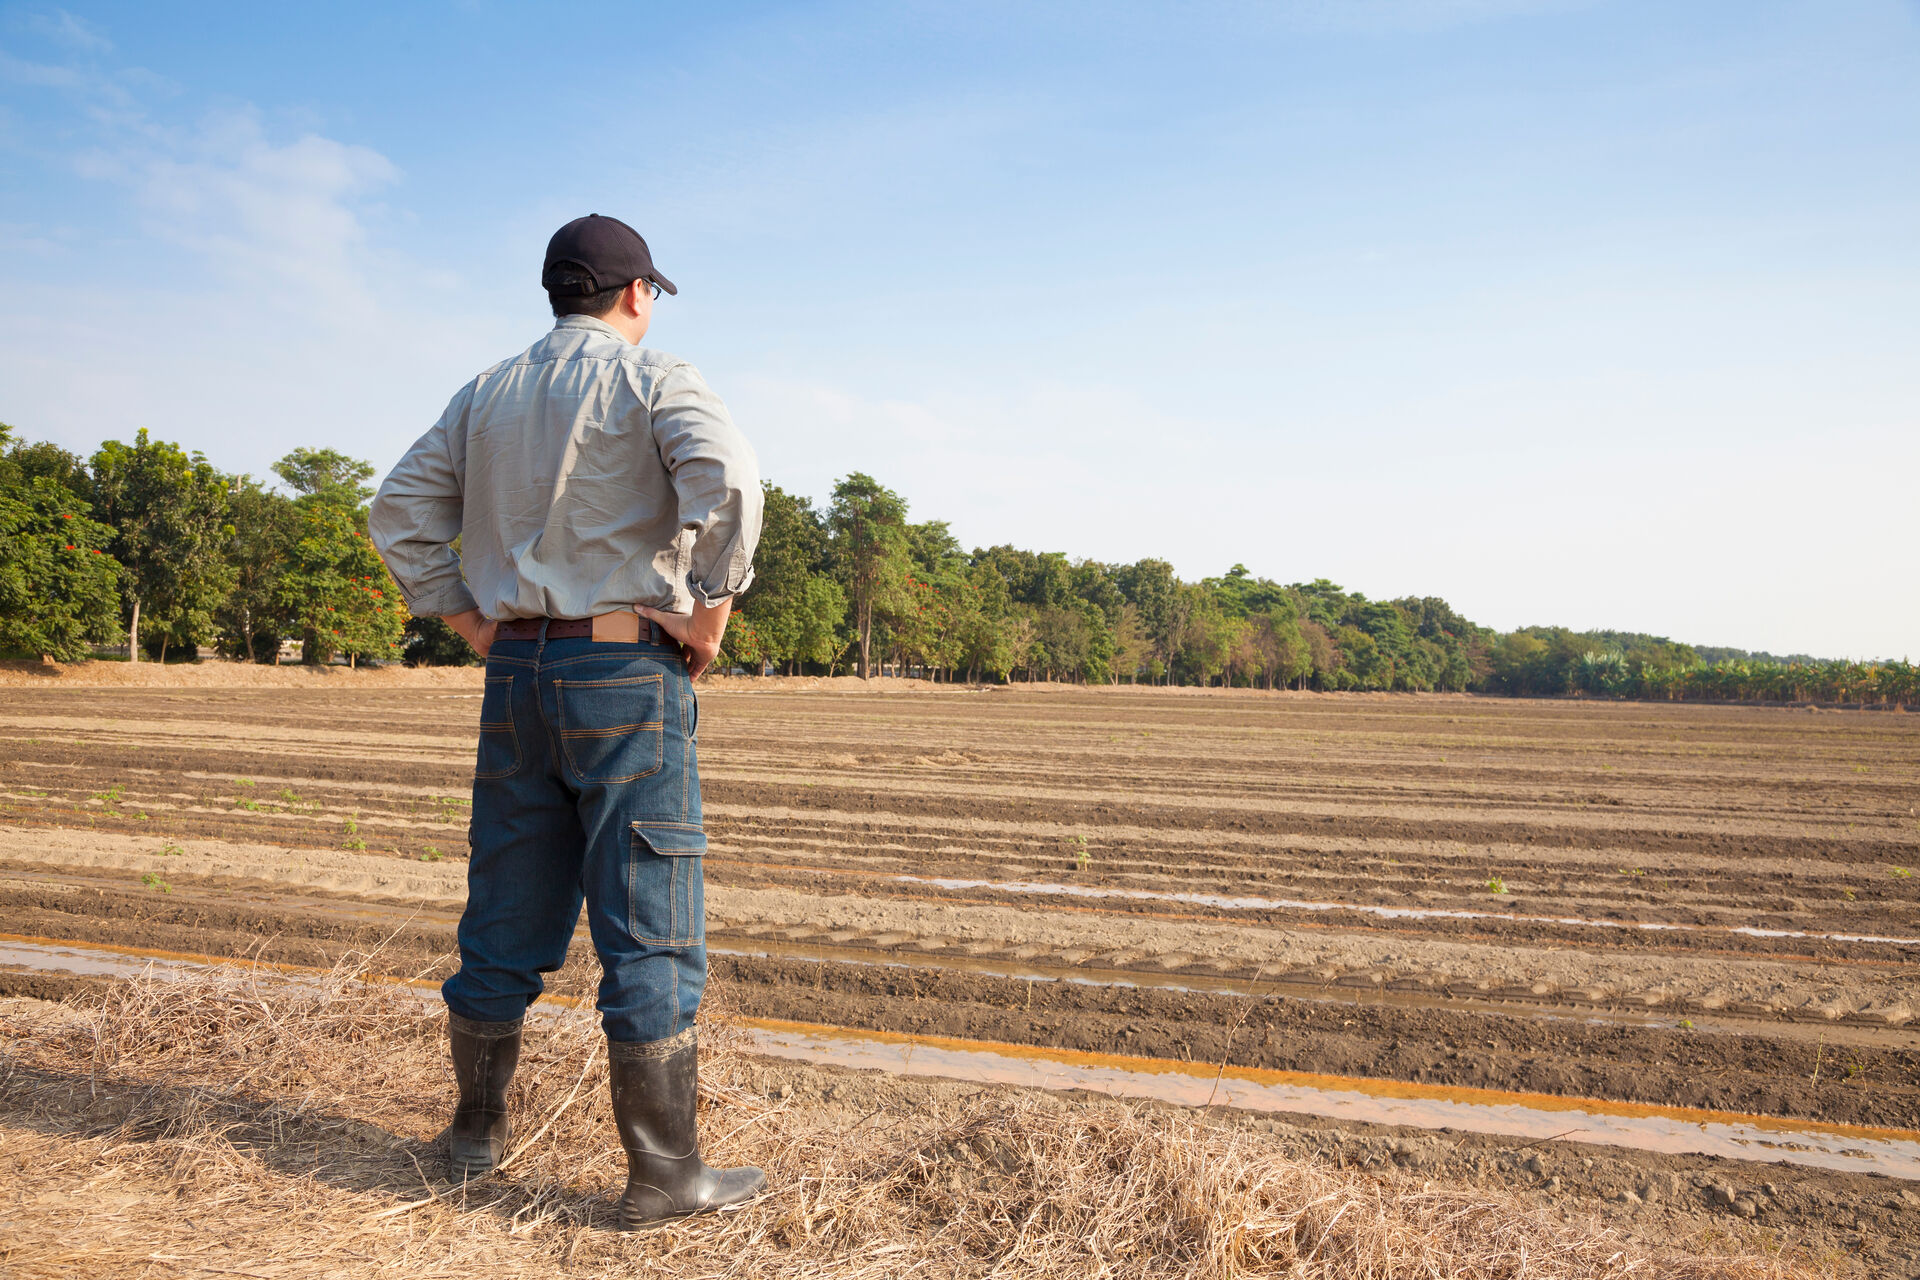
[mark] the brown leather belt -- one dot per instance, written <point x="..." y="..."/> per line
<point x="621" y="626"/>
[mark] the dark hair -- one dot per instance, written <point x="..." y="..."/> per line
<point x="581" y="304"/>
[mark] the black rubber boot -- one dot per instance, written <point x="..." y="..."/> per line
<point x="654" y="1090"/>
<point x="484" y="1056"/>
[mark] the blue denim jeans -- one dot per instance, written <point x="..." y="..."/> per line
<point x="586" y="790"/>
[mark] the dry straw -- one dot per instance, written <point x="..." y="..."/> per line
<point x="239" y="1123"/>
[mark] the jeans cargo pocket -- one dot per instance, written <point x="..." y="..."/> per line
<point x="499" y="754"/>
<point x="666" y="900"/>
<point x="611" y="730"/>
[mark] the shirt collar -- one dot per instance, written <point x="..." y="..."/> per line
<point x="588" y="322"/>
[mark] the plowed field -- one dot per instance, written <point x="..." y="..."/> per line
<point x="1707" y="906"/>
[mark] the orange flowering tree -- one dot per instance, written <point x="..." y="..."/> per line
<point x="59" y="589"/>
<point x="335" y="590"/>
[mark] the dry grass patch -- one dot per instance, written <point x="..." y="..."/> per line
<point x="243" y="1124"/>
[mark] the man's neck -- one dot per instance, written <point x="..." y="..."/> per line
<point x="629" y="326"/>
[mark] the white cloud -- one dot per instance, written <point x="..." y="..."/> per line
<point x="252" y="207"/>
<point x="69" y="30"/>
<point x="40" y="75"/>
<point x="255" y="298"/>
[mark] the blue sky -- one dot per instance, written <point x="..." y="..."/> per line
<point x="1601" y="314"/>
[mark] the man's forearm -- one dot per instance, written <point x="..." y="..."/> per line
<point x="474" y="627"/>
<point x="699" y="632"/>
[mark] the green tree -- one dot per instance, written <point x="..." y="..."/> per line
<point x="430" y="642"/>
<point x="327" y="474"/>
<point x="814" y="629"/>
<point x="1206" y="637"/>
<point x="24" y="461"/>
<point x="932" y="620"/>
<point x="265" y="525"/>
<point x="1518" y="661"/>
<point x="59" y="589"/>
<point x="333" y="588"/>
<point x="868" y="544"/>
<point x="1131" y="648"/>
<point x="169" y="515"/>
<point x="1155" y="593"/>
<point x="1021" y="639"/>
<point x="794" y="608"/>
<point x="1285" y="656"/>
<point x="985" y="625"/>
<point x="1325" y="662"/>
<point x="743" y="646"/>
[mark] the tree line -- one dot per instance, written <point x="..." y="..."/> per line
<point x="861" y="587"/>
<point x="148" y="545"/>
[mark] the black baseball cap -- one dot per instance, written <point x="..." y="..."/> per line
<point x="606" y="250"/>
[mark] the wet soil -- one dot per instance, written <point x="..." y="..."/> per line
<point x="1736" y="1073"/>
<point x="1570" y="1056"/>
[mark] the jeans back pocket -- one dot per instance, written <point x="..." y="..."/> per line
<point x="499" y="754"/>
<point x="611" y="730"/>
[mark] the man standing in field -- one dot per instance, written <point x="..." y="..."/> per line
<point x="607" y="511"/>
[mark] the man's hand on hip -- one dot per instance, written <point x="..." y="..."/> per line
<point x="699" y="632"/>
<point x="475" y="629"/>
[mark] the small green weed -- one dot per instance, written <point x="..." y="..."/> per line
<point x="1686" y="1024"/>
<point x="171" y="850"/>
<point x="432" y="854"/>
<point x="153" y="881"/>
<point x="251" y="806"/>
<point x="1903" y="873"/>
<point x="1847" y="894"/>
<point x="1496" y="885"/>
<point x="243" y="782"/>
<point x="110" y="799"/>
<point x="1632" y="871"/>
<point x="1081" y="858"/>
<point x="353" y="842"/>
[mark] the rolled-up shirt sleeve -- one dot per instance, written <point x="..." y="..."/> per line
<point x="716" y="478"/>
<point x="415" y="518"/>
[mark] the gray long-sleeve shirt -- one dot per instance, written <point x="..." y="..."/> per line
<point x="583" y="476"/>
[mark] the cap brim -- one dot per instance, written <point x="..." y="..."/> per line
<point x="664" y="283"/>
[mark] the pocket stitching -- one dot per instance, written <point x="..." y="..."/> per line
<point x="498" y="726"/>
<point x="567" y="736"/>
<point x="617" y="681"/>
<point x="679" y="895"/>
<point x="616" y="729"/>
